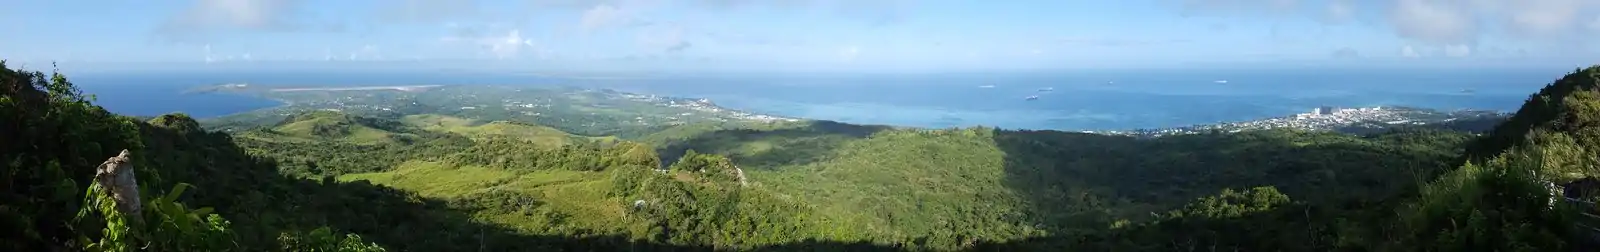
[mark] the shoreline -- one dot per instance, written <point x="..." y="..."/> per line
<point x="707" y="105"/>
<point x="409" y="88"/>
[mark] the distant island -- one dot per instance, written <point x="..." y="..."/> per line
<point x="395" y="88"/>
<point x="229" y="87"/>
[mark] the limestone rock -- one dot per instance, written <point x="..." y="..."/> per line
<point x="116" y="176"/>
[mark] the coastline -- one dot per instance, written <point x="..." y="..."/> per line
<point x="873" y="114"/>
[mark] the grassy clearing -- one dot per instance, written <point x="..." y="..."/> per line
<point x="571" y="200"/>
<point x="338" y="127"/>
<point x="546" y="137"/>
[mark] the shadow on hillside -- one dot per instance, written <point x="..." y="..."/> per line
<point x="403" y="222"/>
<point x="1078" y="185"/>
<point x="1280" y="229"/>
<point x="788" y="146"/>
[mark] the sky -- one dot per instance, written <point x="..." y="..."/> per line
<point x="802" y="35"/>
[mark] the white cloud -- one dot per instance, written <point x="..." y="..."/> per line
<point x="1346" y="53"/>
<point x="1455" y="22"/>
<point x="601" y="16"/>
<point x="1433" y="21"/>
<point x="233" y="14"/>
<point x="427" y="10"/>
<point x="619" y="13"/>
<point x="850" y="53"/>
<point x="501" y="47"/>
<point x="1594" y="25"/>
<point x="366" y="52"/>
<point x="665" y="38"/>
<point x="1409" y="52"/>
<point x="203" y="18"/>
<point x="1457" y="50"/>
<point x="1436" y="22"/>
<point x="209" y="58"/>
<point x="1192" y="7"/>
<point x="1544" y="17"/>
<point x="509" y="46"/>
<point x="1339" y="11"/>
<point x="1116" y="42"/>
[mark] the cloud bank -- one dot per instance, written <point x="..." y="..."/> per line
<point x="1447" y="23"/>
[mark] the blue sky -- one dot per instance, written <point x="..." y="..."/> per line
<point x="800" y="35"/>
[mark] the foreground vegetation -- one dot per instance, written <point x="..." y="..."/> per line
<point x="323" y="180"/>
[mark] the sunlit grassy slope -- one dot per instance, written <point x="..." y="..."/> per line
<point x="545" y="136"/>
<point x="569" y="200"/>
<point x="333" y="125"/>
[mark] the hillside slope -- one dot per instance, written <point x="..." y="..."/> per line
<point x="906" y="188"/>
<point x="1504" y="191"/>
<point x="52" y="137"/>
<point x="947" y="188"/>
<point x="1556" y="107"/>
<point x="460" y="186"/>
<point x="913" y="188"/>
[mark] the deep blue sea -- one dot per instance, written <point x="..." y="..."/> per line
<point x="1077" y="101"/>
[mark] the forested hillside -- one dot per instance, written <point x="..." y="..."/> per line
<point x="325" y="180"/>
<point x="955" y="188"/>
<point x="1502" y="198"/>
<point x="905" y="188"/>
<point x="201" y="192"/>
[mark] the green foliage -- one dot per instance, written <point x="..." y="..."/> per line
<point x="312" y="156"/>
<point x="1553" y="108"/>
<point x="712" y="168"/>
<point x="1500" y="206"/>
<point x="677" y="212"/>
<point x="167" y="225"/>
<point x="324" y="240"/>
<point x="514" y="154"/>
<point x="1232" y="204"/>
<point x="1502" y="198"/>
<point x="950" y="189"/>
<point x="51" y="138"/>
<point x="456" y="185"/>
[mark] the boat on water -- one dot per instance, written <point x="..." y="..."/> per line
<point x="1221" y="81"/>
<point x="986" y="86"/>
<point x="1031" y="97"/>
<point x="1048" y="89"/>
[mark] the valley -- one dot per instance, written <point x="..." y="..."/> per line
<point x="572" y="169"/>
<point x="822" y="180"/>
<point x="875" y="125"/>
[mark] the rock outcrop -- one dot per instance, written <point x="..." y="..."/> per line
<point x="116" y="176"/>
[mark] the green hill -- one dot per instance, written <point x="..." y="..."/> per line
<point x="53" y="138"/>
<point x="324" y="125"/>
<point x="914" y="188"/>
<point x="1503" y="193"/>
<point x="327" y="181"/>
<point x="546" y="137"/>
<point x="943" y="188"/>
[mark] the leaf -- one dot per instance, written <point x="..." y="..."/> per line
<point x="176" y="191"/>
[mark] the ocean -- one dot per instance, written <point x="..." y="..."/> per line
<point x="1102" y="100"/>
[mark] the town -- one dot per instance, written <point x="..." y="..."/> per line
<point x="1325" y="118"/>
